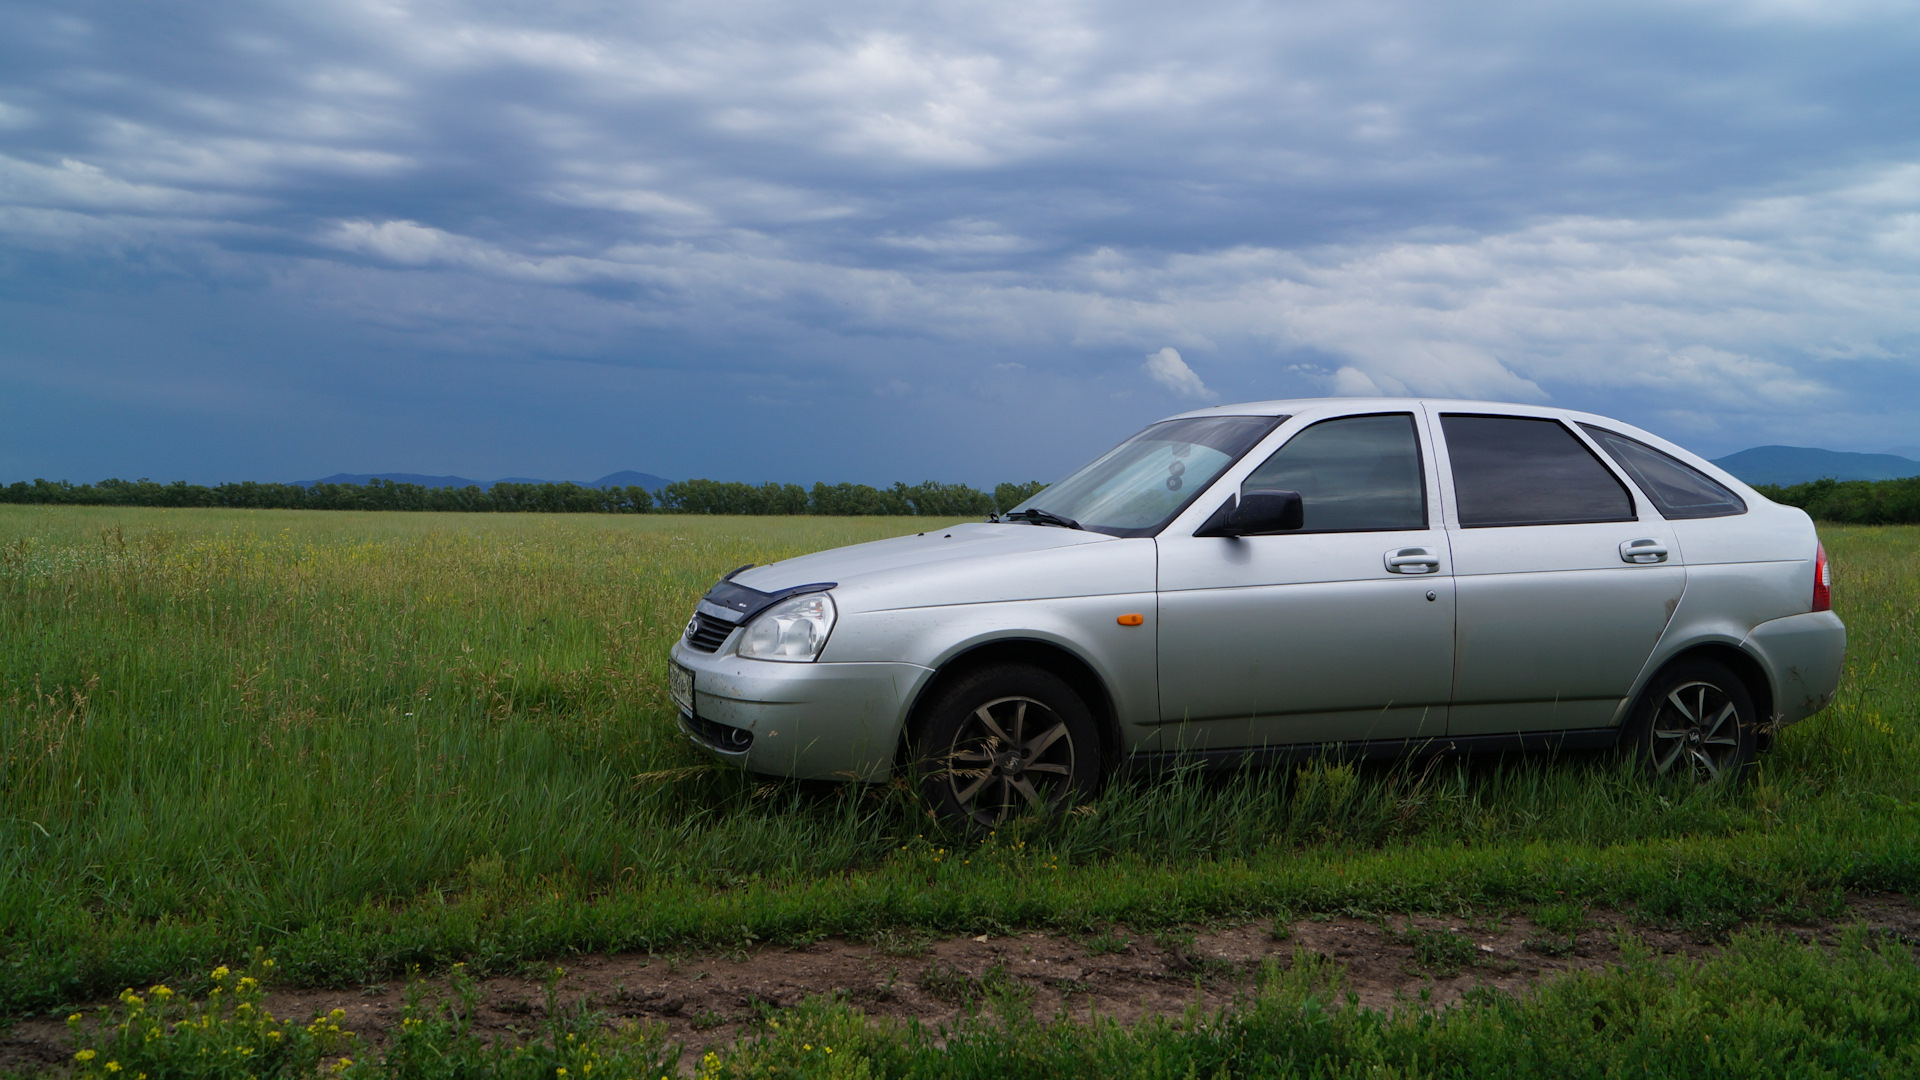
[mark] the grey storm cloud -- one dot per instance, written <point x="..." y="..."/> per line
<point x="1704" y="216"/>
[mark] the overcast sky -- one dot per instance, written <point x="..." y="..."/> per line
<point x="973" y="242"/>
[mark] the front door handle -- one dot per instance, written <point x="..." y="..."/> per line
<point x="1644" y="550"/>
<point x="1412" y="561"/>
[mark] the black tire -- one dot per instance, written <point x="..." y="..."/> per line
<point x="1002" y="740"/>
<point x="1695" y="720"/>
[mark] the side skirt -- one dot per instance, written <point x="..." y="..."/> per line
<point x="1265" y="756"/>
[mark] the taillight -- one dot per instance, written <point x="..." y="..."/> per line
<point x="1822" y="580"/>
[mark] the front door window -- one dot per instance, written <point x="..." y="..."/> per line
<point x="1355" y="474"/>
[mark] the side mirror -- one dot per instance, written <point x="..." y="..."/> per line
<point x="1255" y="513"/>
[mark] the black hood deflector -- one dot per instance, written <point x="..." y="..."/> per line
<point x="750" y="602"/>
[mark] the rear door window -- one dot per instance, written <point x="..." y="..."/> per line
<point x="1679" y="490"/>
<point x="1354" y="474"/>
<point x="1523" y="470"/>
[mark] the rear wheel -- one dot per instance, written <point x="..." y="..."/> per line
<point x="1006" y="739"/>
<point x="1696" y="721"/>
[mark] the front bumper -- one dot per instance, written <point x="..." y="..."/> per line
<point x="1803" y="655"/>
<point x="817" y="721"/>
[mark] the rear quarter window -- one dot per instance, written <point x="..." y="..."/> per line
<point x="1678" y="490"/>
<point x="1523" y="470"/>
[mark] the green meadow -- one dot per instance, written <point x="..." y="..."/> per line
<point x="369" y="741"/>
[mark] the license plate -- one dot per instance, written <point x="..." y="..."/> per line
<point x="680" y="685"/>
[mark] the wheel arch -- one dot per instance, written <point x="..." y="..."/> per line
<point x="1049" y="656"/>
<point x="1750" y="671"/>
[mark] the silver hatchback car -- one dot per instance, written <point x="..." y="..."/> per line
<point x="1375" y="576"/>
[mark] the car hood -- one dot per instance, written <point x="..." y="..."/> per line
<point x="967" y="563"/>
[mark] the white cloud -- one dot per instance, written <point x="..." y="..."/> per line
<point x="411" y="244"/>
<point x="1352" y="382"/>
<point x="1166" y="368"/>
<point x="82" y="185"/>
<point x="965" y="238"/>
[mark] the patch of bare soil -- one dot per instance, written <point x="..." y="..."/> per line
<point x="707" y="1000"/>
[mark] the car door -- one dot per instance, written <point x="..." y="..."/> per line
<point x="1340" y="631"/>
<point x="1564" y="584"/>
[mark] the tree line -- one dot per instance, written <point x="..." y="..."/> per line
<point x="1853" y="502"/>
<point x="929" y="499"/>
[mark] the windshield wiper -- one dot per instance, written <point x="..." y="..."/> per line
<point x="1037" y="516"/>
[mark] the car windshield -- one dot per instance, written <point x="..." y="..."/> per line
<point x="1137" y="487"/>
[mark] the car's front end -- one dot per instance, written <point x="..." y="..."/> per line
<point x="750" y="689"/>
<point x="810" y="667"/>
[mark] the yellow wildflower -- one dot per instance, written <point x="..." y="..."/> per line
<point x="221" y="973"/>
<point x="113" y="1066"/>
<point x="84" y="1055"/>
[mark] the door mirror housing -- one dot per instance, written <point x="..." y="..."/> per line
<point x="1256" y="513"/>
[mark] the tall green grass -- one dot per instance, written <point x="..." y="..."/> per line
<point x="370" y="740"/>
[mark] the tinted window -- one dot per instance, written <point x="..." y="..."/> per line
<point x="1677" y="488"/>
<point x="1137" y="487"/>
<point x="1517" y="470"/>
<point x="1355" y="473"/>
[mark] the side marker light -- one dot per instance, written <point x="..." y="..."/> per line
<point x="1131" y="620"/>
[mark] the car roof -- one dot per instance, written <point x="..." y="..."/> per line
<point x="1295" y="406"/>
<point x="1308" y="407"/>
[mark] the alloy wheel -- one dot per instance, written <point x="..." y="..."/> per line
<point x="1695" y="731"/>
<point x="1010" y="754"/>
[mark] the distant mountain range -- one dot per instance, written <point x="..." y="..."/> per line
<point x="1759" y="465"/>
<point x="1800" y="464"/>
<point x="627" y="478"/>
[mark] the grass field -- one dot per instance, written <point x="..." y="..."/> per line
<point x="368" y="741"/>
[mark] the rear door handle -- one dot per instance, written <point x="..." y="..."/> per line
<point x="1644" y="550"/>
<point x="1412" y="561"/>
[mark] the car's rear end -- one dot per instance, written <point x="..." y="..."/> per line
<point x="1803" y="652"/>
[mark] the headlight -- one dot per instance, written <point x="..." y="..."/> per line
<point x="793" y="629"/>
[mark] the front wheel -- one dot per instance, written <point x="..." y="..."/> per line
<point x="1005" y="739"/>
<point x="1696" y="722"/>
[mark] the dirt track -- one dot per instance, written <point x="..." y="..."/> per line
<point x="708" y="999"/>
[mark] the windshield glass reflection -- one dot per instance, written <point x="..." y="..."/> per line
<point x="1137" y="487"/>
